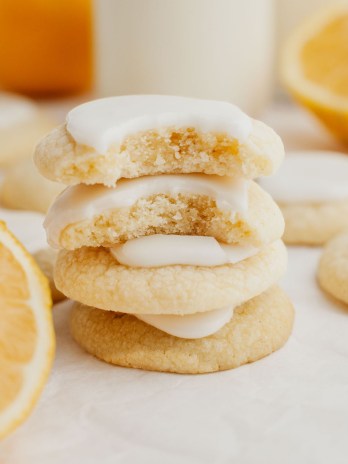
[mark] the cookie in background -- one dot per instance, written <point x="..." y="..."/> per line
<point x="311" y="189"/>
<point x="22" y="124"/>
<point x="24" y="188"/>
<point x="333" y="267"/>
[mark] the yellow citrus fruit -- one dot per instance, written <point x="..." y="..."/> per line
<point x="314" y="67"/>
<point x="26" y="332"/>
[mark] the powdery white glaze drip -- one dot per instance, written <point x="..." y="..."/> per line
<point x="106" y="122"/>
<point x="310" y="176"/>
<point x="197" y="325"/>
<point x="167" y="250"/>
<point x="82" y="202"/>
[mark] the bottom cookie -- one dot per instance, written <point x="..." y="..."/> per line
<point x="258" y="327"/>
<point x="333" y="268"/>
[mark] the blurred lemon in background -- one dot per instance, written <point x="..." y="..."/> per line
<point x="315" y="68"/>
<point x="45" y="46"/>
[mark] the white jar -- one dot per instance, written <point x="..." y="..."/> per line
<point x="218" y="49"/>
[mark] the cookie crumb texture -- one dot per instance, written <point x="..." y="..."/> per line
<point x="333" y="268"/>
<point x="181" y="215"/>
<point x="169" y="150"/>
<point x="258" y="328"/>
<point x="92" y="276"/>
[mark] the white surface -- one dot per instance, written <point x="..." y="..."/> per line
<point x="108" y="121"/>
<point x="290" y="407"/>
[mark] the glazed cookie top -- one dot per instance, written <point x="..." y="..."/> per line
<point x="138" y="135"/>
<point x="231" y="210"/>
<point x="82" y="202"/>
<point x="102" y="123"/>
<point x="310" y="177"/>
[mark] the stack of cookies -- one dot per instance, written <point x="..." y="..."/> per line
<point x="168" y="247"/>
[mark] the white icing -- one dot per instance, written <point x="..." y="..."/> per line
<point x="312" y="176"/>
<point x="105" y="122"/>
<point x="82" y="202"/>
<point x="166" y="250"/>
<point x="14" y="110"/>
<point x="197" y="325"/>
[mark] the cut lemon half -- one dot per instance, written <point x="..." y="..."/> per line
<point x="314" y="67"/>
<point x="26" y="332"/>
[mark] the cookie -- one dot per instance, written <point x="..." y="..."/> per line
<point x="93" y="276"/>
<point x="89" y="215"/>
<point x="333" y="267"/>
<point x="134" y="136"/>
<point x="22" y="125"/>
<point x="258" y="328"/>
<point x="46" y="259"/>
<point x="311" y="189"/>
<point x="23" y="187"/>
<point x="318" y="224"/>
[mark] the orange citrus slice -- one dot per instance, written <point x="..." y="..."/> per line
<point x="26" y="332"/>
<point x="314" y="67"/>
<point x="46" y="46"/>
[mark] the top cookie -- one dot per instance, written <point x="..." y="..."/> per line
<point x="133" y="136"/>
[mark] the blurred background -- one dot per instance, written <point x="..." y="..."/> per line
<point x="224" y="49"/>
<point x="260" y="54"/>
